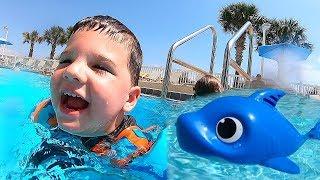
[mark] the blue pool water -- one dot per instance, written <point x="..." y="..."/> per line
<point x="301" y="111"/>
<point x="19" y="137"/>
<point x="21" y="91"/>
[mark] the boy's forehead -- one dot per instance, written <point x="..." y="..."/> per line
<point x="101" y="43"/>
<point x="105" y="37"/>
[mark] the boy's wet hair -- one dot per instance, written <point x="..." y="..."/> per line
<point x="119" y="33"/>
<point x="206" y="85"/>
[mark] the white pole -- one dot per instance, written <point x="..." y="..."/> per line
<point x="5" y="28"/>
<point x="263" y="43"/>
<point x="6" y="32"/>
<point x="264" y="27"/>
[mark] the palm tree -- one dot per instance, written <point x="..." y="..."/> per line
<point x="55" y="36"/>
<point x="31" y="38"/>
<point x="233" y="17"/>
<point x="69" y="32"/>
<point x="286" y="31"/>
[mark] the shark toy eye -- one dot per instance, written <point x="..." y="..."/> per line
<point x="229" y="129"/>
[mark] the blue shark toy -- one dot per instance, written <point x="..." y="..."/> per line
<point x="244" y="130"/>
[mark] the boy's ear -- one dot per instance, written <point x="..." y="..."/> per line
<point x="134" y="95"/>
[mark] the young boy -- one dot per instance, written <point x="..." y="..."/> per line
<point x="95" y="84"/>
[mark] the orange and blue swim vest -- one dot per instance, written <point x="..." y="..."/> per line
<point x="127" y="133"/>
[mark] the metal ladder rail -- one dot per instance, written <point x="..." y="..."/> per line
<point x="170" y="58"/>
<point x="226" y="61"/>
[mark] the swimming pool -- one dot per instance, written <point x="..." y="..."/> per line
<point x="19" y="137"/>
<point x="301" y="111"/>
<point x="20" y="91"/>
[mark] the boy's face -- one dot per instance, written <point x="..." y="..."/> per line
<point x="91" y="87"/>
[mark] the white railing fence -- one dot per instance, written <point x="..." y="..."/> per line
<point x="43" y="66"/>
<point x="305" y="89"/>
<point x="189" y="77"/>
<point x="184" y="76"/>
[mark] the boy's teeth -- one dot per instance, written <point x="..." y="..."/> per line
<point x="70" y="94"/>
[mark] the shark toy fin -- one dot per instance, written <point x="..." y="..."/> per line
<point x="269" y="96"/>
<point x="282" y="164"/>
<point x="314" y="133"/>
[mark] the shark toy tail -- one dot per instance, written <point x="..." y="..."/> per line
<point x="314" y="133"/>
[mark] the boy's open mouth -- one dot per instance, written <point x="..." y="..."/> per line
<point x="72" y="102"/>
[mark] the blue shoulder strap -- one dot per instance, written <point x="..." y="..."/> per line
<point x="43" y="112"/>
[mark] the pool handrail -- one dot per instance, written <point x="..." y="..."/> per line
<point x="226" y="61"/>
<point x="170" y="59"/>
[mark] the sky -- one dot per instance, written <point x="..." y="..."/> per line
<point x="158" y="24"/>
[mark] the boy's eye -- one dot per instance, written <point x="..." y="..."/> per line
<point x="63" y="61"/>
<point x="102" y="69"/>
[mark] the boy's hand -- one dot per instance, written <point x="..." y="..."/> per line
<point x="120" y="162"/>
<point x="125" y="161"/>
<point x="151" y="128"/>
<point x="111" y="153"/>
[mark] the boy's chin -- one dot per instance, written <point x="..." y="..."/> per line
<point x="74" y="129"/>
<point x="71" y="128"/>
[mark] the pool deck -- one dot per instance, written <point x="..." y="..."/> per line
<point x="175" y="92"/>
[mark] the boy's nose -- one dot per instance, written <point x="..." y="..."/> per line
<point x="74" y="73"/>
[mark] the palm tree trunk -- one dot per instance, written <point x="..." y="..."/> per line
<point x="31" y="49"/>
<point x="53" y="50"/>
<point x="240" y="47"/>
